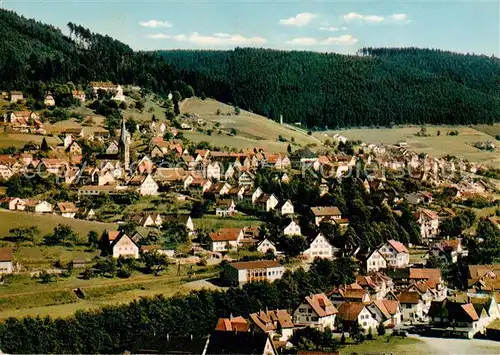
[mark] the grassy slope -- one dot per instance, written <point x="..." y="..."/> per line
<point x="460" y="146"/>
<point x="46" y="223"/>
<point x="252" y="130"/>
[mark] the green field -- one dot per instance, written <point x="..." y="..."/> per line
<point x="18" y="140"/>
<point x="459" y="146"/>
<point x="46" y="223"/>
<point x="252" y="130"/>
<point x="213" y="222"/>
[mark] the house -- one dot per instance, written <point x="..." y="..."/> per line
<point x="49" y="101"/>
<point x="144" y="185"/>
<point x="10" y="203"/>
<point x="356" y="312"/>
<point x="214" y="171"/>
<point x="429" y="223"/>
<point x="274" y="322"/>
<point x="122" y="245"/>
<point x="117" y="90"/>
<point x="325" y="214"/>
<point x="387" y="312"/>
<point x="225" y="239"/>
<point x="372" y="260"/>
<point x="395" y="254"/>
<point x="225" y="207"/>
<point x="465" y="318"/>
<point x="238" y="343"/>
<point x="112" y="147"/>
<point x="182" y="219"/>
<point x="233" y="324"/>
<point x="447" y="251"/>
<point x="147" y="219"/>
<point x="79" y="95"/>
<point x="74" y="148"/>
<point x="37" y="206"/>
<point x="15" y="96"/>
<point x="319" y="247"/>
<point x="377" y="284"/>
<point x="66" y="209"/>
<point x="316" y="311"/>
<point x="291" y="227"/>
<point x="265" y="245"/>
<point x="266" y="202"/>
<point x="6" y="261"/>
<point x="285" y="208"/>
<point x="348" y="293"/>
<point x="246" y="179"/>
<point x="412" y="305"/>
<point x="484" y="278"/>
<point x="239" y="273"/>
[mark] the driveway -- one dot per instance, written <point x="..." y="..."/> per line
<point x="460" y="346"/>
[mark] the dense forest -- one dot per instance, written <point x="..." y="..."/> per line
<point x="377" y="87"/>
<point x="32" y="52"/>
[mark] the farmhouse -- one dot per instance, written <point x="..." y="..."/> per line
<point x="319" y="247"/>
<point x="316" y="311"/>
<point x="122" y="245"/>
<point x="6" y="260"/>
<point x="225" y="239"/>
<point x="249" y="271"/>
<point x="144" y="185"/>
<point x="66" y="209"/>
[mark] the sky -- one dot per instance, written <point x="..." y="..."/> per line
<point x="325" y="26"/>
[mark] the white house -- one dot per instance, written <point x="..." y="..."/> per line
<point x="122" y="245"/>
<point x="412" y="305"/>
<point x="267" y="202"/>
<point x="276" y="323"/>
<point x="265" y="245"/>
<point x="66" y="209"/>
<point x="291" y="228"/>
<point x="326" y="214"/>
<point x="225" y="207"/>
<point x="285" y="208"/>
<point x="6" y="260"/>
<point x="395" y="254"/>
<point x="373" y="261"/>
<point x="107" y="86"/>
<point x="319" y="247"/>
<point x="214" y="171"/>
<point x="447" y="251"/>
<point x="145" y="185"/>
<point x="316" y="311"/>
<point x="249" y="271"/>
<point x="429" y="223"/>
<point x="112" y="147"/>
<point x="149" y="219"/>
<point x="37" y="206"/>
<point x="350" y="312"/>
<point x="225" y="239"/>
<point x="386" y="312"/>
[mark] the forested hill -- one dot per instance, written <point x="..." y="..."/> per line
<point x="381" y="86"/>
<point x="31" y="51"/>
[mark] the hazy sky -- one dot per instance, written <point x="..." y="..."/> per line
<point x="326" y="26"/>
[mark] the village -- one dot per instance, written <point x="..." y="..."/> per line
<point x="416" y="231"/>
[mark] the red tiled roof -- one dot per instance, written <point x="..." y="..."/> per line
<point x="349" y="311"/>
<point x="258" y="264"/>
<point x="321" y="305"/>
<point x="427" y="274"/>
<point x="239" y="324"/>
<point x="225" y="234"/>
<point x="112" y="235"/>
<point x="326" y="211"/>
<point x="6" y="254"/>
<point x="398" y="246"/>
<point x="409" y="297"/>
<point x="470" y="311"/>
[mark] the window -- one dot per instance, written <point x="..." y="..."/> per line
<point x="314" y="319"/>
<point x="302" y="310"/>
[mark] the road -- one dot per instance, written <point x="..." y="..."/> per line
<point x="446" y="346"/>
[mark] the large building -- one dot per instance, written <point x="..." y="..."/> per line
<point x="248" y="271"/>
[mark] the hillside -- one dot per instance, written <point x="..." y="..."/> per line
<point x="379" y="87"/>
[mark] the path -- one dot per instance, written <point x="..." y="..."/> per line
<point x="446" y="346"/>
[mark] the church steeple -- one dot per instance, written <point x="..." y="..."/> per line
<point x="124" y="147"/>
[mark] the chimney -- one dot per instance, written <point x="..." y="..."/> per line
<point x="191" y="336"/>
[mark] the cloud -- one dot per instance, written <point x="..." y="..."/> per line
<point x="299" y="20"/>
<point x="309" y="41"/>
<point x="353" y="16"/>
<point x="156" y="24"/>
<point x="329" y="28"/>
<point x="217" y="39"/>
<point x="398" y="17"/>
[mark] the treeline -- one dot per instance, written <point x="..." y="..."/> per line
<point x="378" y="87"/>
<point x="114" y="329"/>
<point x="32" y="52"/>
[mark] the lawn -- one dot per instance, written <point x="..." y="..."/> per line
<point x="459" y="146"/>
<point x="248" y="125"/>
<point x="27" y="297"/>
<point x="46" y="223"/>
<point x="18" y="140"/>
<point x="387" y="344"/>
<point x="43" y="256"/>
<point x="213" y="222"/>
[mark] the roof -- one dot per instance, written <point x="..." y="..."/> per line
<point x="349" y="311"/>
<point x="272" y="320"/>
<point x="239" y="324"/>
<point x="112" y="235"/>
<point x="321" y="305"/>
<point x="398" y="246"/>
<point x="326" y="211"/>
<point x="258" y="264"/>
<point x="224" y="203"/>
<point x="225" y="234"/>
<point x="409" y="297"/>
<point x="240" y="343"/>
<point x="427" y="274"/>
<point x="429" y="213"/>
<point x="67" y="207"/>
<point x="6" y="254"/>
<point x="453" y="310"/>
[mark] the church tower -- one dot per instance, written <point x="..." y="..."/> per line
<point x="124" y="147"/>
